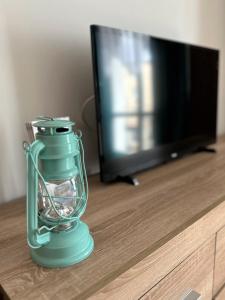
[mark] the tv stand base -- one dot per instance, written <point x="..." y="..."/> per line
<point x="206" y="149"/>
<point x="129" y="179"/>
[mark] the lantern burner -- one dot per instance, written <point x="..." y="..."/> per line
<point x="63" y="227"/>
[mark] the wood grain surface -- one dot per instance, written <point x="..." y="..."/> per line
<point x="152" y="227"/>
<point x="194" y="273"/>
<point x="220" y="295"/>
<point x="219" y="272"/>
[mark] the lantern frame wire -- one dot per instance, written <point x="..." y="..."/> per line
<point x="85" y="185"/>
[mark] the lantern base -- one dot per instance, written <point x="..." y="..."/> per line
<point x="65" y="247"/>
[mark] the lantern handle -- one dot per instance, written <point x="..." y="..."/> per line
<point x="78" y="136"/>
<point x="83" y="163"/>
<point x="83" y="167"/>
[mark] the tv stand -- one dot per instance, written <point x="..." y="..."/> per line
<point x="129" y="179"/>
<point x="206" y="149"/>
<point x="162" y="240"/>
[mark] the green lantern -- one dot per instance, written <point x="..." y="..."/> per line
<point x="57" y="192"/>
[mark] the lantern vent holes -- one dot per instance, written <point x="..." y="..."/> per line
<point x="41" y="129"/>
<point x="62" y="129"/>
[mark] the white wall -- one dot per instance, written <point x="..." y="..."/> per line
<point x="45" y="61"/>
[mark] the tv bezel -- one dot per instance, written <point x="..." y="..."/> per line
<point x="132" y="164"/>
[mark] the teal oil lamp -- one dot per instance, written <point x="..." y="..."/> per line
<point x="57" y="192"/>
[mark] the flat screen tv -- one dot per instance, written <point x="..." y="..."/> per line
<point x="156" y="99"/>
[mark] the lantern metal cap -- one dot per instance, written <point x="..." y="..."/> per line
<point x="53" y="123"/>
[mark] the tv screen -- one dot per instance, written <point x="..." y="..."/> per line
<point x="155" y="99"/>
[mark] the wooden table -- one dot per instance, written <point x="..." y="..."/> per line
<point x="141" y="233"/>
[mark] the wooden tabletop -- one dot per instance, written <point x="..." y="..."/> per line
<point x="128" y="223"/>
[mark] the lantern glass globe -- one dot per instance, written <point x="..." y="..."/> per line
<point x="66" y="196"/>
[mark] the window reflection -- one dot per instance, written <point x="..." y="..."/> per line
<point x="131" y="95"/>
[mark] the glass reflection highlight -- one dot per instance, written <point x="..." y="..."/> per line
<point x="127" y="76"/>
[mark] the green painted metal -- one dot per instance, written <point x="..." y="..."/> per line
<point x="57" y="158"/>
<point x="65" y="247"/>
<point x="56" y="154"/>
<point x="53" y="123"/>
